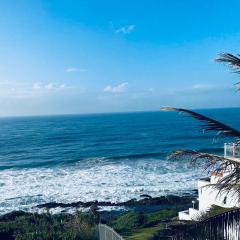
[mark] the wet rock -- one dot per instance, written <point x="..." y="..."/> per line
<point x="94" y="207"/>
<point x="147" y="200"/>
<point x="145" y="196"/>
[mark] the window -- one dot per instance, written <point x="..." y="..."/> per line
<point x="225" y="200"/>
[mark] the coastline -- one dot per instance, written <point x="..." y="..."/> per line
<point x="154" y="211"/>
<point x="145" y="200"/>
<point x="145" y="203"/>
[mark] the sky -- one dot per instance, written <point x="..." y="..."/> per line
<point x="90" y="56"/>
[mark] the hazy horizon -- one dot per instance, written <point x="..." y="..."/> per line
<point x="103" y="113"/>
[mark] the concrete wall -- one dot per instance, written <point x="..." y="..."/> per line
<point x="208" y="195"/>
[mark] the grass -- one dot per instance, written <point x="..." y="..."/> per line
<point x="213" y="211"/>
<point x="141" y="226"/>
<point x="32" y="226"/>
<point x="144" y="233"/>
<point x="80" y="226"/>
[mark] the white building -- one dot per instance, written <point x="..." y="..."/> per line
<point x="208" y="195"/>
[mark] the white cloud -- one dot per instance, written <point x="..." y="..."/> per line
<point x="72" y="69"/>
<point x="126" y="29"/>
<point x="20" y="90"/>
<point x="5" y="82"/>
<point x="116" y="89"/>
<point x="36" y="86"/>
<point x="202" y="86"/>
<point x="48" y="86"/>
<point x="200" y="89"/>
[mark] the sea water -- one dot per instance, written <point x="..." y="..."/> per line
<point x="104" y="157"/>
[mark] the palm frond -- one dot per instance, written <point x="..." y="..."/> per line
<point x="193" y="156"/>
<point x="209" y="123"/>
<point x="220" y="164"/>
<point x="233" y="61"/>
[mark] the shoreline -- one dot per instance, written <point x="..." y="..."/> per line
<point x="145" y="203"/>
<point x="145" y="200"/>
<point x="107" y="211"/>
<point x="153" y="210"/>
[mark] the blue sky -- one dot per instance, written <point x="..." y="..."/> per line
<point x="85" y="56"/>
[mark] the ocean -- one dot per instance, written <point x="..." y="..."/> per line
<point x="113" y="157"/>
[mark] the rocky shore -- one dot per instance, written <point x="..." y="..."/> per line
<point x="145" y="200"/>
<point x="144" y="214"/>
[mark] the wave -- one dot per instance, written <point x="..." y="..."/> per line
<point x="29" y="163"/>
<point x="22" y="189"/>
<point x="137" y="156"/>
<point x="212" y="150"/>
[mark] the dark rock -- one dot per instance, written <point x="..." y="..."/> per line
<point x="195" y="191"/>
<point x="94" y="207"/>
<point x="12" y="215"/>
<point x="148" y="200"/>
<point x="145" y="196"/>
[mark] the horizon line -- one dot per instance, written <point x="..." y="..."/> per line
<point x="106" y="113"/>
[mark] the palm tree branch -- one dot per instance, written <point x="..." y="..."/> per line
<point x="220" y="164"/>
<point x="209" y="123"/>
<point x="233" y="61"/>
<point x="193" y="156"/>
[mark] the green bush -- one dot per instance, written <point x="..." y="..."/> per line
<point x="34" y="226"/>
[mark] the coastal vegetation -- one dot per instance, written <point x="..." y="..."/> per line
<point x="133" y="225"/>
<point x="141" y="226"/>
<point x="156" y="225"/>
<point x="214" y="211"/>
<point x="201" y="229"/>
<point x="34" y="226"/>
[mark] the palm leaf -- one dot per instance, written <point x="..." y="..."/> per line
<point x="230" y="60"/>
<point x="220" y="164"/>
<point x="211" y="159"/>
<point x="209" y="123"/>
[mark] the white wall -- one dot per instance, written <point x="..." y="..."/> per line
<point x="208" y="196"/>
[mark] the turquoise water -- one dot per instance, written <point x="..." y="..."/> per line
<point x="104" y="156"/>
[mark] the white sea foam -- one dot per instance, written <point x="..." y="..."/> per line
<point x="94" y="179"/>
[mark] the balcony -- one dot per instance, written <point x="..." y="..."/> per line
<point x="187" y="215"/>
<point x="203" y="182"/>
<point x="184" y="215"/>
<point x="232" y="150"/>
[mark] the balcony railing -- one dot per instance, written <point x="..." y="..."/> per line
<point x="232" y="150"/>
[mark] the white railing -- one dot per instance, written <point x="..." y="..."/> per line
<point x="107" y="233"/>
<point x="184" y="215"/>
<point x="232" y="150"/>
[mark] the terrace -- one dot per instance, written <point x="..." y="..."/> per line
<point x="232" y="151"/>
